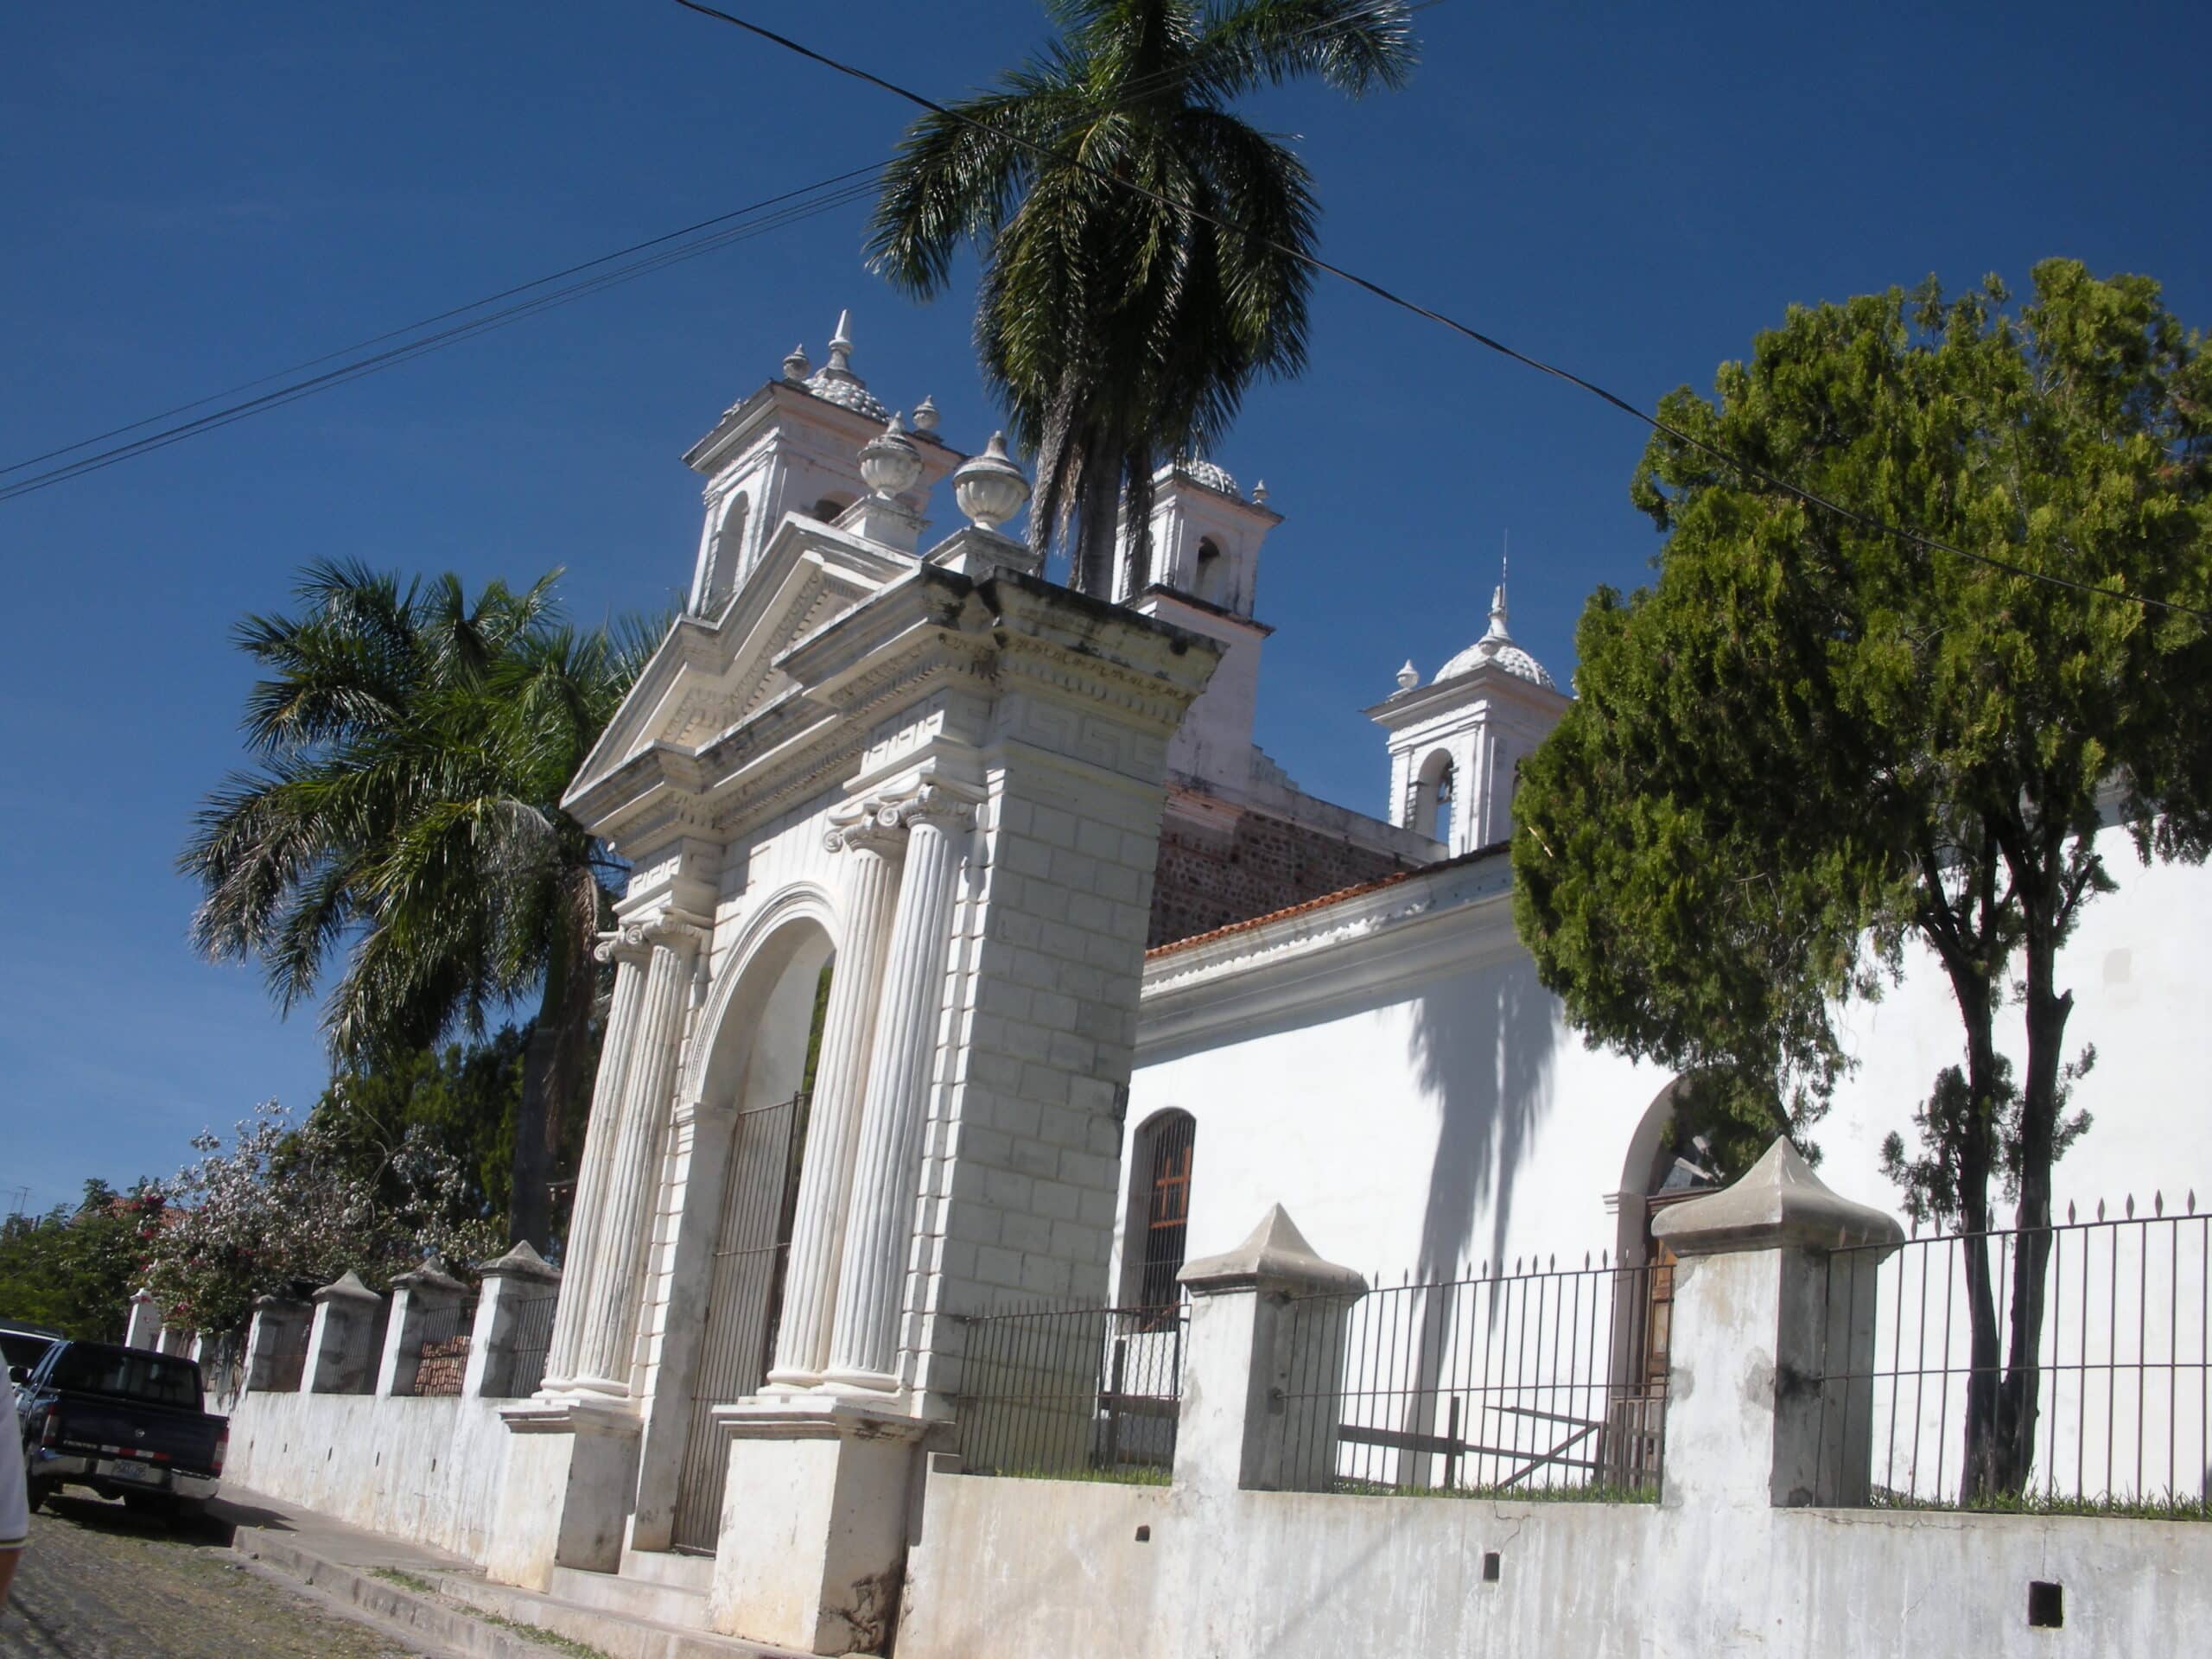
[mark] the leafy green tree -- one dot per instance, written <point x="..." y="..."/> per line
<point x="1119" y="320"/>
<point x="76" y="1269"/>
<point x="1811" y="742"/>
<point x="415" y="746"/>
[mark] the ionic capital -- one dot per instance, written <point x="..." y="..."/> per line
<point x="633" y="941"/>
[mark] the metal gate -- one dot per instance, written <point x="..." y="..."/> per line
<point x="745" y="1294"/>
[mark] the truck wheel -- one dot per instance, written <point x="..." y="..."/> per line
<point x="145" y="1503"/>
<point x="39" y="1491"/>
<point x="188" y="1515"/>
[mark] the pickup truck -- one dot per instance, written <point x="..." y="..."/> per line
<point x="127" y="1422"/>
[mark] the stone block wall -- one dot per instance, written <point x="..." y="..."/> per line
<point x="1210" y="877"/>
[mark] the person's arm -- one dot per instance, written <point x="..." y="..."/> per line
<point x="15" y="1504"/>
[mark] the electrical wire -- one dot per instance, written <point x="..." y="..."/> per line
<point x="1811" y="498"/>
<point x="792" y="206"/>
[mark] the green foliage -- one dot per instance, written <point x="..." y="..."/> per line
<point x="75" y="1270"/>
<point x="1811" y="741"/>
<point x="1119" y="321"/>
<point x="415" y="746"/>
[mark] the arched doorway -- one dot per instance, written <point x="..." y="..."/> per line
<point x="756" y="1081"/>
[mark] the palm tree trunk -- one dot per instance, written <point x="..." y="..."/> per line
<point x="554" y="1065"/>
<point x="1091" y="560"/>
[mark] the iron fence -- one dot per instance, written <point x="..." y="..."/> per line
<point x="442" y="1349"/>
<point x="222" y="1368"/>
<point x="1073" y="1391"/>
<point x="1542" y="1380"/>
<point x="2068" y="1366"/>
<point x="532" y="1340"/>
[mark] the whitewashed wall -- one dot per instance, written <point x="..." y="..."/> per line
<point x="1388" y="1067"/>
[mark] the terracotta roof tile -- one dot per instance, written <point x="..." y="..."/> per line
<point x="1326" y="900"/>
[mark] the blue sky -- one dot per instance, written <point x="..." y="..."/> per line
<point x="198" y="195"/>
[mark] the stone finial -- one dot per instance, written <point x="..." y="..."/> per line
<point x="796" y="367"/>
<point x="1408" y="675"/>
<point x="348" y="1287"/>
<point x="1260" y="494"/>
<point x="522" y="1261"/>
<point x="1778" y="1203"/>
<point x="841" y="345"/>
<point x="889" y="462"/>
<point x="990" y="488"/>
<point x="1274" y="1256"/>
<point x="926" y="416"/>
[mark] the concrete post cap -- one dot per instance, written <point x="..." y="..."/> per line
<point x="432" y="1275"/>
<point x="1275" y="1256"/>
<point x="348" y="1287"/>
<point x="1779" y="1203"/>
<point x="523" y="1262"/>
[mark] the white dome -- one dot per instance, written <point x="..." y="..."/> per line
<point x="835" y="383"/>
<point x="1496" y="648"/>
<point x="1206" y="473"/>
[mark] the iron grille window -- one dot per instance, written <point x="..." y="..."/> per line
<point x="1167" y="1163"/>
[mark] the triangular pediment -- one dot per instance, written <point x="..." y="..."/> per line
<point x="712" y="673"/>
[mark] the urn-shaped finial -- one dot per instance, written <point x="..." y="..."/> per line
<point x="889" y="462"/>
<point x="796" y="367"/>
<point x="1408" y="676"/>
<point x="926" y="416"/>
<point x="990" y="488"/>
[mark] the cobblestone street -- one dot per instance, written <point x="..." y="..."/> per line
<point x="99" y="1582"/>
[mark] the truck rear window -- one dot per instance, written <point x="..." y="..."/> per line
<point x="128" y="1374"/>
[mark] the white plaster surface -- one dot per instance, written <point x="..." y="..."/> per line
<point x="426" y="1469"/>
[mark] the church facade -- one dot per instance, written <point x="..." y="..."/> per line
<point x="973" y="957"/>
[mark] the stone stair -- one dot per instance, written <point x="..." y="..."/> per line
<point x="623" y="1616"/>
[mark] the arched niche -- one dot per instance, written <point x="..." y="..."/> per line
<point x="1433" y="797"/>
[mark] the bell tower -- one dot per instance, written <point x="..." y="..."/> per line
<point x="794" y="446"/>
<point x="1458" y="742"/>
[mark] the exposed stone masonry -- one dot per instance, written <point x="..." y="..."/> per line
<point x="1208" y="878"/>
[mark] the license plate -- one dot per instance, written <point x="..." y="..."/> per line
<point x="138" y="1474"/>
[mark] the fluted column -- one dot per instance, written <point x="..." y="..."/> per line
<point x="870" y="847"/>
<point x="607" y="1301"/>
<point x="880" y="1224"/>
<point x="601" y="1131"/>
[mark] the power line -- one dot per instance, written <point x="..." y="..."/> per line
<point x="1133" y="92"/>
<point x="1865" y="521"/>
<point x="740" y="224"/>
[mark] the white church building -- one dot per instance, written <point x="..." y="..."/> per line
<point x="1103" y="987"/>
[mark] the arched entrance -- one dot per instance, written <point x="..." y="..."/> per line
<point x="755" y="1096"/>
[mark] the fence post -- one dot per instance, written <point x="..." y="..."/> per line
<point x="1235" y="1429"/>
<point x="277" y="1328"/>
<point x="1765" y="1313"/>
<point x="509" y="1280"/>
<point x="415" y="1296"/>
<point x="342" y="1343"/>
<point x="144" y="1329"/>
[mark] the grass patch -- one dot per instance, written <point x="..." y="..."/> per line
<point x="1122" y="1476"/>
<point x="421" y="1587"/>
<point x="546" y="1638"/>
<point x="1591" y="1494"/>
<point x="2169" y="1507"/>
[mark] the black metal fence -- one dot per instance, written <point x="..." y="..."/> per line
<point x="2064" y="1366"/>
<point x="532" y="1341"/>
<point x="442" y="1349"/>
<point x="1070" y="1392"/>
<point x="1543" y="1380"/>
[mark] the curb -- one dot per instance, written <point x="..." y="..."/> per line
<point x="425" y="1616"/>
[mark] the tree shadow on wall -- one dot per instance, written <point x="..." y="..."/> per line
<point x="1483" y="1045"/>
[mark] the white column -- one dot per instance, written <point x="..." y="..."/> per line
<point x="834" y="1117"/>
<point x="878" y="1228"/>
<point x="605" y="1286"/>
<point x="601" y="1132"/>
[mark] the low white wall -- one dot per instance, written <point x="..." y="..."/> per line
<point x="427" y="1469"/>
<point x="1007" y="1566"/>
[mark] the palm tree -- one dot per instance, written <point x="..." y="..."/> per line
<point x="1140" y="244"/>
<point x="415" y="746"/>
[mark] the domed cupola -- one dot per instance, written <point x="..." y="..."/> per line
<point x="835" y="381"/>
<point x="1496" y="648"/>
